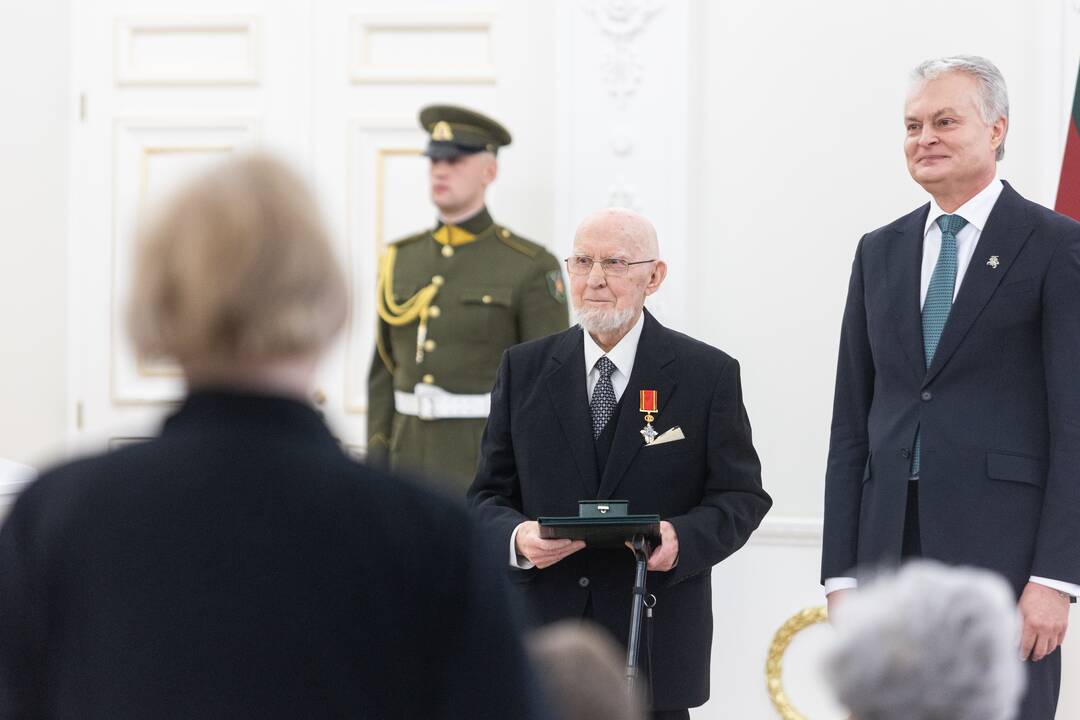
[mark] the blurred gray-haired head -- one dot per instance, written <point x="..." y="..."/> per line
<point x="580" y="665"/>
<point x="993" y="95"/>
<point x="929" y="642"/>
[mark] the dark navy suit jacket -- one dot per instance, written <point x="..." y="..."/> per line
<point x="538" y="458"/>
<point x="241" y="565"/>
<point x="999" y="406"/>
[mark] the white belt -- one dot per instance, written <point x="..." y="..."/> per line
<point x="431" y="402"/>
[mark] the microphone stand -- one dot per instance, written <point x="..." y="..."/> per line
<point x="641" y="600"/>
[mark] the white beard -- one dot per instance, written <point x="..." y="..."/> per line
<point x="600" y="321"/>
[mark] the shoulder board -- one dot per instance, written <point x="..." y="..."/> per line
<point x="523" y="246"/>
<point x="412" y="238"/>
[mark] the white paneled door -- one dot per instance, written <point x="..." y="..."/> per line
<point x="164" y="88"/>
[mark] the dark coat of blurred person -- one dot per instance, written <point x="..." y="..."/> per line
<point x="241" y="565"/>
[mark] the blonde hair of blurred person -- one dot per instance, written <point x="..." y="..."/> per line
<point x="236" y="280"/>
<point x="580" y="666"/>
<point x="930" y="642"/>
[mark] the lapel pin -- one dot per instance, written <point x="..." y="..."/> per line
<point x="649" y="404"/>
<point x="993" y="262"/>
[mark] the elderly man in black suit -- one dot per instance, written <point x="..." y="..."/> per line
<point x="241" y="565"/>
<point x="565" y="425"/>
<point x="956" y="423"/>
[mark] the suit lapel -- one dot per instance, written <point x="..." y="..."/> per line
<point x="649" y="373"/>
<point x="569" y="398"/>
<point x="904" y="268"/>
<point x="1006" y="231"/>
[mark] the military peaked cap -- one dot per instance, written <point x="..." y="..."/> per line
<point x="459" y="131"/>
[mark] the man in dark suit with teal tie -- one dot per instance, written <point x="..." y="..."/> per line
<point x="566" y="425"/>
<point x="956" y="422"/>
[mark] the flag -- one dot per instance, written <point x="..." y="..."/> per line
<point x="1068" y="197"/>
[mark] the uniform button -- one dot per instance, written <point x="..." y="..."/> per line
<point x="583" y="581"/>
<point x="429" y="345"/>
<point x="905" y="453"/>
<point x="447" y="251"/>
<point x="434" y="311"/>
<point x="438" y="281"/>
<point x="486" y="299"/>
<point x="506" y="234"/>
<point x="429" y="378"/>
<point x="927" y="395"/>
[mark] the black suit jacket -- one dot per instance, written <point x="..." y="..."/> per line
<point x="999" y="405"/>
<point x="242" y="566"/>
<point x="537" y="458"/>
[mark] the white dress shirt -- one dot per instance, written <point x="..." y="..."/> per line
<point x="975" y="211"/>
<point x="622" y="357"/>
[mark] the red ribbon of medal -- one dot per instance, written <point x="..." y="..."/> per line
<point x="650" y="400"/>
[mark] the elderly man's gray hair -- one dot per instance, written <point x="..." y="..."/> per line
<point x="993" y="95"/>
<point x="928" y="643"/>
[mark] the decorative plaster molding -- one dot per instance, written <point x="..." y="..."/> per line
<point x="621" y="21"/>
<point x="623" y="194"/>
<point x="788" y="532"/>
<point x="622" y="142"/>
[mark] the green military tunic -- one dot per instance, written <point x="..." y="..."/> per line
<point x="459" y="296"/>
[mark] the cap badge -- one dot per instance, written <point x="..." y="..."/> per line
<point x="442" y="132"/>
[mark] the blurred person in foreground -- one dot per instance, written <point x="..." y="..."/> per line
<point x="582" y="669"/>
<point x="241" y="565"/>
<point x="928" y="643"/>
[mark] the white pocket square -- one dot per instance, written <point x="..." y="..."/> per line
<point x="671" y="435"/>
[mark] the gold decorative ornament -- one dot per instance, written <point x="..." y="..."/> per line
<point x="774" y="662"/>
<point x="415" y="309"/>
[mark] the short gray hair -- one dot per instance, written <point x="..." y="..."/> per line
<point x="993" y="95"/>
<point x="237" y="266"/>
<point x="928" y="643"/>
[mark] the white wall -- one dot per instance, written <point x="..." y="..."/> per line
<point x="33" y="241"/>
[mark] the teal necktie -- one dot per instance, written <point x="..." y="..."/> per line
<point x="938" y="303"/>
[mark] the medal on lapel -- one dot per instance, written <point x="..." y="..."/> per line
<point x="649" y="404"/>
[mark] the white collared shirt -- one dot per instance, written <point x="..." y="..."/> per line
<point x="622" y="357"/>
<point x="976" y="211"/>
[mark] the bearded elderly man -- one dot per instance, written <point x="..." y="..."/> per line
<point x="956" y="423"/>
<point x="565" y="426"/>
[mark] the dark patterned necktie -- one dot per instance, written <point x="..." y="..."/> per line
<point x="938" y="303"/>
<point x="602" y="404"/>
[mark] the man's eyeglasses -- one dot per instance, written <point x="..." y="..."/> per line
<point x="611" y="267"/>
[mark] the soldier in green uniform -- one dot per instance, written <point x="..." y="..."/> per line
<point x="450" y="299"/>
